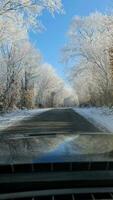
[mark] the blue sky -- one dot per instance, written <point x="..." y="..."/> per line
<point x="53" y="39"/>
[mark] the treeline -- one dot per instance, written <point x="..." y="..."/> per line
<point x="25" y="80"/>
<point x="89" y="51"/>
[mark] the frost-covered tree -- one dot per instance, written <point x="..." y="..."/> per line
<point x="30" y="7"/>
<point x="26" y="11"/>
<point x="14" y="63"/>
<point x="19" y="60"/>
<point x="29" y="74"/>
<point x="90" y="39"/>
<point x="66" y="97"/>
<point x="48" y="84"/>
<point x="27" y="81"/>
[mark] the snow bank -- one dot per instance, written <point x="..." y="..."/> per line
<point x="101" y="117"/>
<point x="11" y="118"/>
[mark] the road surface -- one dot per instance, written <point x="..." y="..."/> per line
<point x="55" y="121"/>
<point x="51" y="135"/>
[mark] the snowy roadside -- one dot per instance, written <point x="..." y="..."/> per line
<point x="11" y="118"/>
<point x="102" y="117"/>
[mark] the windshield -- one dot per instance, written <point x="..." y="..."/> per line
<point x="56" y="99"/>
<point x="56" y="81"/>
<point x="57" y="135"/>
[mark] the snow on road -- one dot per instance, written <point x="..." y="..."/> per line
<point x="11" y="118"/>
<point x="102" y="117"/>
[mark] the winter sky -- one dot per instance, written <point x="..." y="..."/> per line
<point x="54" y="37"/>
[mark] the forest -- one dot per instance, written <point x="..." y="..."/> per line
<point x="27" y="81"/>
<point x="89" y="51"/>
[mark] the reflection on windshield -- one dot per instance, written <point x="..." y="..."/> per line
<point x="57" y="148"/>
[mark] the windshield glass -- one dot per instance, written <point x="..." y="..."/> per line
<point x="57" y="135"/>
<point x="56" y="81"/>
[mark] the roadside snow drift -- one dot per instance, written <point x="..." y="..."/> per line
<point x="101" y="117"/>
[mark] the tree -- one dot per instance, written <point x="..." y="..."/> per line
<point x="18" y="64"/>
<point x="24" y="76"/>
<point x="28" y="10"/>
<point x="30" y="73"/>
<point x="30" y="7"/>
<point x="11" y="63"/>
<point x="86" y="36"/>
<point x="47" y="83"/>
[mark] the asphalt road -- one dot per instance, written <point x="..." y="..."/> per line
<point x="55" y="121"/>
<point x="54" y="134"/>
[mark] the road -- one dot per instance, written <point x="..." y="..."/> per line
<point x="51" y="135"/>
<point x="53" y="121"/>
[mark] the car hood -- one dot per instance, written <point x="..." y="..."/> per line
<point x="54" y="148"/>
